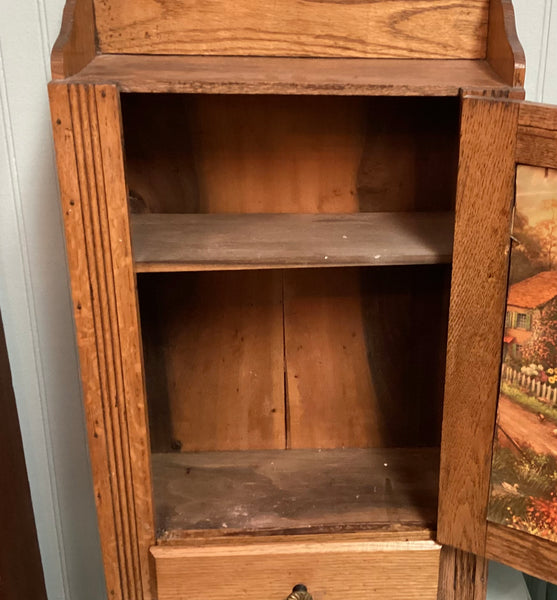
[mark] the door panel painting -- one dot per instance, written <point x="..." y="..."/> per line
<point x="524" y="469"/>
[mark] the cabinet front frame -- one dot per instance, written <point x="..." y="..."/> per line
<point x="88" y="136"/>
<point x="86" y="121"/>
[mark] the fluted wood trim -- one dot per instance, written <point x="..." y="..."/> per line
<point x="87" y="130"/>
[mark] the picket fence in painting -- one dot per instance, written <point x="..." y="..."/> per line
<point x="524" y="469"/>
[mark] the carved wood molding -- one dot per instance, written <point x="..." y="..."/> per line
<point x="88" y="135"/>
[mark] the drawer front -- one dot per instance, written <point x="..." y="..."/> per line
<point x="267" y="571"/>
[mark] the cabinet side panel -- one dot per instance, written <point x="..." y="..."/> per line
<point x="480" y="262"/>
<point x="75" y="45"/>
<point x="504" y="52"/>
<point x="88" y="146"/>
<point x="327" y="28"/>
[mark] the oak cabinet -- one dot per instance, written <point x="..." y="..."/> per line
<point x="288" y="233"/>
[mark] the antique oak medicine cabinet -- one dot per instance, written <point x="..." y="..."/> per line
<point x="290" y="374"/>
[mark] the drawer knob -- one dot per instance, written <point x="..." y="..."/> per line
<point x="299" y="592"/>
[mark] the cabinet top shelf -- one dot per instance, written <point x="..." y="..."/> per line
<point x="202" y="242"/>
<point x="266" y="75"/>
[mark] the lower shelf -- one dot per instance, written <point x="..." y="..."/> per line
<point x="295" y="491"/>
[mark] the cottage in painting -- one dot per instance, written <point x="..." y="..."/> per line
<point x="526" y="302"/>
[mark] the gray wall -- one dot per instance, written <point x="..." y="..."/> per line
<point x="34" y="296"/>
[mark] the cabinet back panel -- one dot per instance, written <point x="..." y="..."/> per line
<point x="365" y="356"/>
<point x="258" y="154"/>
<point x="316" y="358"/>
<point x="213" y="347"/>
<point x="365" y="28"/>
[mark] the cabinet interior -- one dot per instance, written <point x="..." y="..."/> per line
<point x="292" y="399"/>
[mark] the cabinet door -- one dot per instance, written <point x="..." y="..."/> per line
<point x="498" y="480"/>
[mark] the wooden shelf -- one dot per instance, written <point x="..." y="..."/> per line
<point x="268" y="75"/>
<point x="203" y="242"/>
<point x="295" y="491"/>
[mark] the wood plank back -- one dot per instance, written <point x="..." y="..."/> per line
<point x="214" y="360"/>
<point x="87" y="132"/>
<point x="480" y="263"/>
<point x="343" y="330"/>
<point x="294" y="28"/>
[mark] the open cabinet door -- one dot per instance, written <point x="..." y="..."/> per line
<point x="498" y="480"/>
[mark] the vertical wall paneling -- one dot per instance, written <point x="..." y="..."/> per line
<point x="550" y="78"/>
<point x="537" y="29"/>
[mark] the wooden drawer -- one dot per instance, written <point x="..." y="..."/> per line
<point x="329" y="566"/>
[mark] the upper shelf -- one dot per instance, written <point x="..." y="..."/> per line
<point x="205" y="242"/>
<point x="430" y="47"/>
<point x="266" y="75"/>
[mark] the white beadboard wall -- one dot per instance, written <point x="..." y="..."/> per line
<point x="34" y="296"/>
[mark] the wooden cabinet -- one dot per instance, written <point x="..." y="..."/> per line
<point x="283" y="381"/>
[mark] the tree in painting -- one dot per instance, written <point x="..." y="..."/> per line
<point x="542" y="346"/>
<point x="526" y="251"/>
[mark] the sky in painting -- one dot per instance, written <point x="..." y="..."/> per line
<point x="540" y="185"/>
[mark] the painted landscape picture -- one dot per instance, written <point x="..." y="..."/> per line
<point x="524" y="469"/>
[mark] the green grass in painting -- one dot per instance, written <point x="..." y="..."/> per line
<point x="535" y="474"/>
<point x="529" y="402"/>
<point x="524" y="488"/>
<point x="502" y="508"/>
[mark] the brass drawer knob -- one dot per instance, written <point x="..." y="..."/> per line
<point x="299" y="592"/>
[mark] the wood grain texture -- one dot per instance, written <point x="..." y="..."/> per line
<point x="171" y="242"/>
<point x="331" y="399"/>
<point x="344" y="356"/>
<point x="325" y="28"/>
<point x="537" y="135"/>
<point x="223" y="154"/>
<point x="504" y="51"/>
<point x="214" y="360"/>
<point x="295" y="491"/>
<point x="244" y="154"/>
<point x="478" y="290"/>
<point x="399" y="570"/>
<point x="87" y="135"/>
<point x="75" y="46"/>
<point x="462" y="576"/>
<point x="290" y="154"/>
<point x="522" y="551"/>
<point x="21" y="572"/>
<point x="540" y="116"/>
<point x="273" y="75"/>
